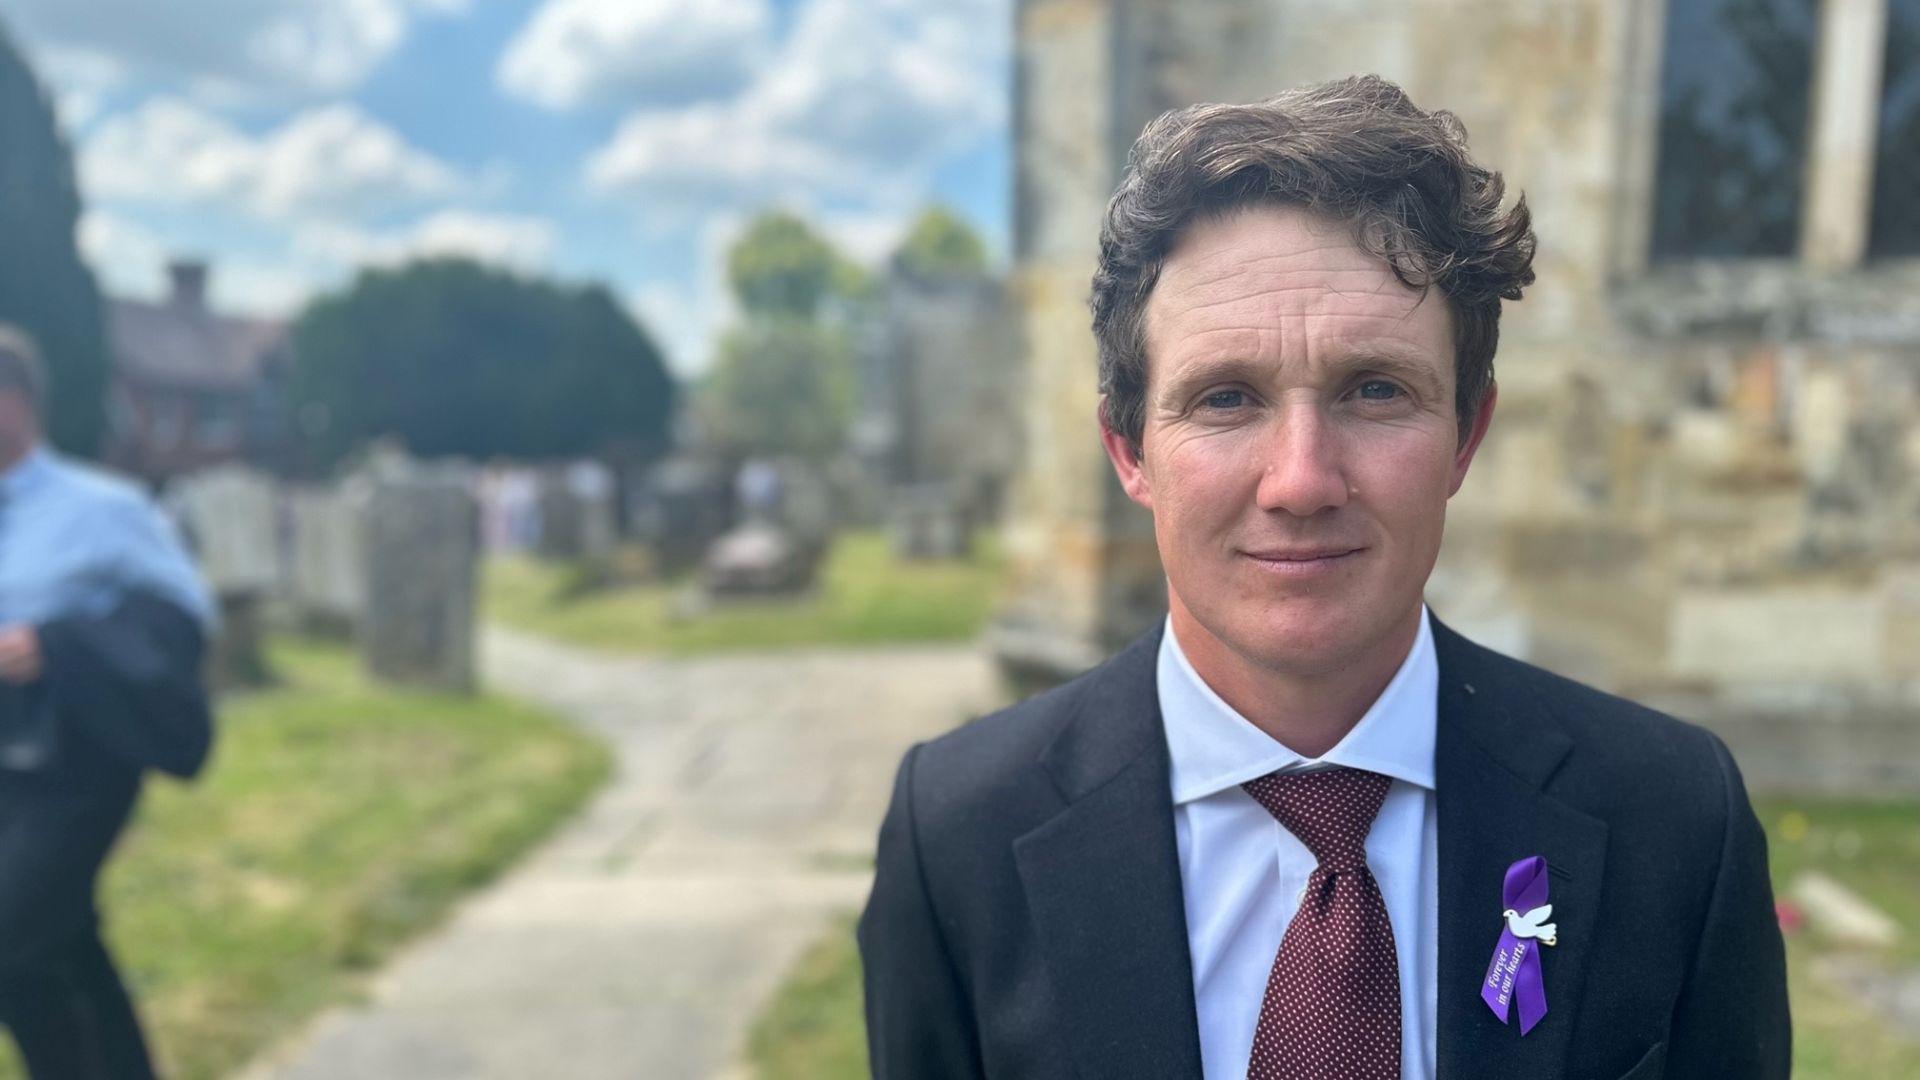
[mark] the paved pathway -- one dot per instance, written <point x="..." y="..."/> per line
<point x="641" y="940"/>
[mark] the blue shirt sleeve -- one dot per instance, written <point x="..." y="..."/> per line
<point x="150" y="556"/>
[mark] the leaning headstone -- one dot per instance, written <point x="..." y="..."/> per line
<point x="422" y="555"/>
<point x="230" y="514"/>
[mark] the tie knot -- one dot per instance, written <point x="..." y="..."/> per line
<point x="1330" y="810"/>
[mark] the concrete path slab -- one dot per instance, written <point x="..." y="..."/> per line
<point x="642" y="939"/>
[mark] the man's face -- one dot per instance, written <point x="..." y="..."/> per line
<point x="1300" y="441"/>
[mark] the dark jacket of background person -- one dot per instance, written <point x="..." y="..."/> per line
<point x="121" y="621"/>
<point x="126" y="684"/>
<point x="1027" y="918"/>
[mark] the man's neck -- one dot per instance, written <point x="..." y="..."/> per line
<point x="1308" y="713"/>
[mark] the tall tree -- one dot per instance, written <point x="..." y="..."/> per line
<point x="780" y="266"/>
<point x="44" y="287"/>
<point x="782" y="381"/>
<point x="940" y="245"/>
<point x="456" y="358"/>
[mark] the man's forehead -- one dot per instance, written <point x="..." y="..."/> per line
<point x="1284" y="250"/>
<point x="1235" y="279"/>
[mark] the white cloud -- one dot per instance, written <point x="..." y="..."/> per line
<point x="128" y="257"/>
<point x="660" y="51"/>
<point x="867" y="238"/>
<point x="513" y="241"/>
<point x="231" y="46"/>
<point x="686" y="314"/>
<point x="331" y="160"/>
<point x="261" y="287"/>
<point x="861" y="101"/>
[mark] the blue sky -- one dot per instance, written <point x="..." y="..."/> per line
<point x="626" y="141"/>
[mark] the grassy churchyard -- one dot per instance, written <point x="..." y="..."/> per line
<point x="335" y="821"/>
<point x="813" y="1029"/>
<point x="864" y="596"/>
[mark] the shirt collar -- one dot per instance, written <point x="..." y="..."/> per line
<point x="1212" y="747"/>
<point x="26" y="472"/>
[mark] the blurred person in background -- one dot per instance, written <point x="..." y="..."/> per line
<point x="103" y="620"/>
<point x="1303" y="829"/>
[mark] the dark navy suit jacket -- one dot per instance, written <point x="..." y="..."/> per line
<point x="1027" y="918"/>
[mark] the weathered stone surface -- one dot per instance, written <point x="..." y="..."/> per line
<point x="930" y="521"/>
<point x="683" y="505"/>
<point x="328" y="579"/>
<point x="576" y="504"/>
<point x="231" y="517"/>
<point x="941" y="390"/>
<point x="422" y="555"/>
<point x="1780" y="634"/>
<point x="759" y="558"/>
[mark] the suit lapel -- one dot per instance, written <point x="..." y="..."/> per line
<point x="1496" y="747"/>
<point x="1102" y="880"/>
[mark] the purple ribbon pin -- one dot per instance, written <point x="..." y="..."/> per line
<point x="1515" y="970"/>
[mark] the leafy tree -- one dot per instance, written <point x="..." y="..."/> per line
<point x="44" y="287"/>
<point x="456" y="358"/>
<point x="782" y="384"/>
<point x="940" y="245"/>
<point x="780" y="266"/>
<point x="783" y="377"/>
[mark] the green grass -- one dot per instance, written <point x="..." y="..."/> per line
<point x="812" y="1030"/>
<point x="864" y="596"/>
<point x="1872" y="848"/>
<point x="335" y="821"/>
<point x="813" y="1026"/>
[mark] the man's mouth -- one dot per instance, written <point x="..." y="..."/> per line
<point x="1303" y="561"/>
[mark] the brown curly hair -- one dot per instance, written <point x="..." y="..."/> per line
<point x="1357" y="150"/>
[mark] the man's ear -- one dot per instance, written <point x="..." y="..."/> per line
<point x="1126" y="458"/>
<point x="1463" y="457"/>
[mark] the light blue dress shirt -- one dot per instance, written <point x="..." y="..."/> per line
<point x="74" y="540"/>
<point x="1243" y="874"/>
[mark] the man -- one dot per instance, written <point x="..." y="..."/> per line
<point x="1304" y="829"/>
<point x="102" y="625"/>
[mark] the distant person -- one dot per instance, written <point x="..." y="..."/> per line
<point x="1303" y="830"/>
<point x="103" y="621"/>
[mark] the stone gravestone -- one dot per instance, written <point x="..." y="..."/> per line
<point x="684" y="504"/>
<point x="230" y="514"/>
<point x="930" y="521"/>
<point x="327" y="580"/>
<point x="786" y="534"/>
<point x="576" y="511"/>
<point x="422" y="555"/>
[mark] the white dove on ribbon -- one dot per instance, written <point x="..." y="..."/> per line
<point x="1533" y="924"/>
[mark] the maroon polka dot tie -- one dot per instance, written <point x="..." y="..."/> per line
<point x="1332" y="1010"/>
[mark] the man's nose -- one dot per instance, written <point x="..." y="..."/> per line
<point x="1301" y="467"/>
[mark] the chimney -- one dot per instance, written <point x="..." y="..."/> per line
<point x="189" y="278"/>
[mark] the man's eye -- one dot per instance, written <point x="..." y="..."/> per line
<point x="1378" y="390"/>
<point x="1224" y="399"/>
